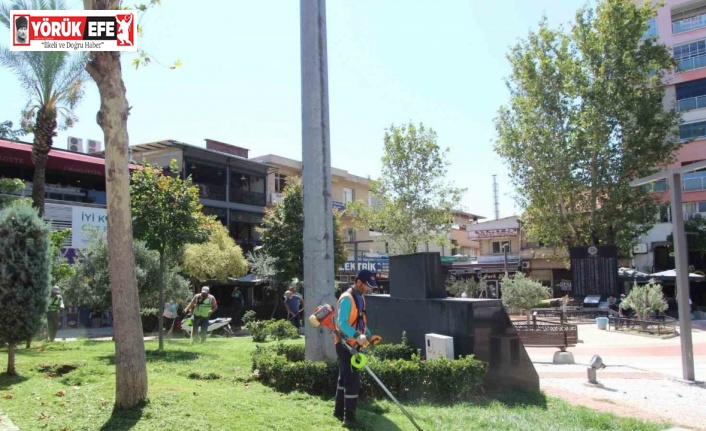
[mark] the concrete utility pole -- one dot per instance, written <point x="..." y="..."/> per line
<point x="674" y="182"/>
<point x="316" y="173"/>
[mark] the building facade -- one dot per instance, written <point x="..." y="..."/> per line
<point x="74" y="194"/>
<point x="681" y="26"/>
<point x="231" y="187"/>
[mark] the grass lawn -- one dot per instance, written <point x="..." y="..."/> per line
<point x="205" y="386"/>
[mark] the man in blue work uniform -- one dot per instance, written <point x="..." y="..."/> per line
<point x="352" y="322"/>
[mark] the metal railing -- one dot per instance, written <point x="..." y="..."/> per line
<point x="691" y="63"/>
<point x="691" y="103"/>
<point x="688" y="24"/>
<point x="247" y="197"/>
<point x="660" y="325"/>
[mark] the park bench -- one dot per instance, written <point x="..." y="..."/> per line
<point x="539" y="333"/>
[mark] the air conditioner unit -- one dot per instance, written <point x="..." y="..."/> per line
<point x="526" y="264"/>
<point x="94" y="146"/>
<point x="439" y="346"/>
<point x="75" y="144"/>
<point x="640" y="248"/>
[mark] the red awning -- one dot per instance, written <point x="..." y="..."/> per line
<point x="17" y="153"/>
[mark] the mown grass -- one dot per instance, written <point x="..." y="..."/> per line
<point x="69" y="386"/>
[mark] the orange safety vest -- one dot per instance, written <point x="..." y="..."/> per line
<point x="357" y="318"/>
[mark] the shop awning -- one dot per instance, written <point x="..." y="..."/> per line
<point x="17" y="153"/>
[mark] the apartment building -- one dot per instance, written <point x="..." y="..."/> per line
<point x="345" y="188"/>
<point x="680" y="25"/>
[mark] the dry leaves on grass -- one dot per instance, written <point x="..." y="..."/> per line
<point x="7" y="396"/>
<point x="61" y="393"/>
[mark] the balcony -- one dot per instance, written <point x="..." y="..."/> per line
<point x="247" y="197"/>
<point x="211" y="191"/>
<point x="691" y="63"/>
<point x="688" y="24"/>
<point x="694" y="181"/>
<point x="691" y="103"/>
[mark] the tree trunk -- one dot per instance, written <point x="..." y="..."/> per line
<point x="44" y="130"/>
<point x="11" y="359"/>
<point x="160" y="320"/>
<point x="130" y="365"/>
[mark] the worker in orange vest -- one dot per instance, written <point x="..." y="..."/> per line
<point x="352" y="323"/>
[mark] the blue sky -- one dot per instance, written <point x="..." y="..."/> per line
<point x="437" y="62"/>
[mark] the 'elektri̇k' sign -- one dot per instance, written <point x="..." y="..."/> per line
<point x="83" y="221"/>
<point x="73" y="30"/>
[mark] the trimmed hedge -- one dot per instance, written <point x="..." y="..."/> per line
<point x="440" y="381"/>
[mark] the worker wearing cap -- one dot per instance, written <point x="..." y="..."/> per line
<point x="56" y="304"/>
<point x="204" y="305"/>
<point x="352" y="322"/>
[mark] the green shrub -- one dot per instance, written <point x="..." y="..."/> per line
<point x="441" y="381"/>
<point x="259" y="330"/>
<point x="282" y="330"/>
<point x="249" y="316"/>
<point x="389" y="352"/>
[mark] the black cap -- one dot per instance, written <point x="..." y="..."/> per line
<point x="366" y="277"/>
<point x="21" y="21"/>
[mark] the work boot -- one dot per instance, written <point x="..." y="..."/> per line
<point x="350" y="423"/>
<point x="338" y="415"/>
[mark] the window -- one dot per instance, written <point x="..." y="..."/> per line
<point x="665" y="214"/>
<point x="350" y="235"/>
<point x="656" y="187"/>
<point x="280" y="183"/>
<point x="690" y="55"/>
<point x="651" y="29"/>
<point x="500" y="246"/>
<point x="689" y="20"/>
<point x="691" y="95"/>
<point x="692" y="130"/>
<point x="348" y="195"/>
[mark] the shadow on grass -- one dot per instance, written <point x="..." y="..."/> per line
<point x="7" y="380"/>
<point x="177" y="356"/>
<point x="517" y="398"/>
<point x="124" y="419"/>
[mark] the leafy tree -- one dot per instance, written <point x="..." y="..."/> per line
<point x="645" y="299"/>
<point x="456" y="286"/>
<point x="585" y="118"/>
<point x="61" y="268"/>
<point x="166" y="214"/>
<point x="413" y="202"/>
<point x="283" y="234"/>
<point x="91" y="282"/>
<point x="522" y="292"/>
<point x="9" y="186"/>
<point x="217" y="259"/>
<point x="695" y="229"/>
<point x="54" y="81"/>
<point x="25" y="263"/>
<point x="6" y="131"/>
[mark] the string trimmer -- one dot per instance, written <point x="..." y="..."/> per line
<point x="323" y="316"/>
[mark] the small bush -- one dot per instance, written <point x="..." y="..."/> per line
<point x="282" y="330"/>
<point x="249" y="316"/>
<point x="442" y="381"/>
<point x="259" y="330"/>
<point x="389" y="352"/>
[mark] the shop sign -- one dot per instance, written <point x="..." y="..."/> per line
<point x="83" y="221"/>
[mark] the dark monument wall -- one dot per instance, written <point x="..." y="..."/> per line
<point x="479" y="326"/>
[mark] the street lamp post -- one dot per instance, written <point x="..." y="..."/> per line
<point x="674" y="183"/>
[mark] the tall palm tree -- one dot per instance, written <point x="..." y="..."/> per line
<point x="54" y="82"/>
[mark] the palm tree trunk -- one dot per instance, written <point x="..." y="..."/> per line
<point x="130" y="364"/>
<point x="44" y="131"/>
